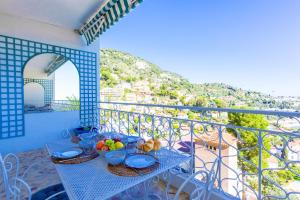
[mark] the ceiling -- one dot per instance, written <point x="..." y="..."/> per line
<point x="66" y="13"/>
<point x="35" y="67"/>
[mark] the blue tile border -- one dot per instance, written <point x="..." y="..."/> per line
<point x="14" y="54"/>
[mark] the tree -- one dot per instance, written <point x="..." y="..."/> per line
<point x="107" y="78"/>
<point x="248" y="141"/>
<point x="200" y="101"/>
<point x="192" y="115"/>
<point x="74" y="103"/>
<point x="182" y="99"/>
<point x="220" y="103"/>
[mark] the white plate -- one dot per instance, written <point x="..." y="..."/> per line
<point x="68" y="154"/>
<point x="140" y="161"/>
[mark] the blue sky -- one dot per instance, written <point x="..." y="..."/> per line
<point x="252" y="44"/>
<point x="66" y="87"/>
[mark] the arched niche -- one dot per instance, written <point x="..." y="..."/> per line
<point x="33" y="95"/>
<point x="59" y="79"/>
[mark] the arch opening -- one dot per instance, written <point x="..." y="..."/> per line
<point x="51" y="83"/>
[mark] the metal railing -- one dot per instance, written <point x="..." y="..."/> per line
<point x="55" y="105"/>
<point x="65" y="105"/>
<point x="258" y="151"/>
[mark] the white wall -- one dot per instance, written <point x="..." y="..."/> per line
<point x="34" y="94"/>
<point x="42" y="32"/>
<point x="40" y="129"/>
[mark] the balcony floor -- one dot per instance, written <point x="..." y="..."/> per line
<point x="44" y="174"/>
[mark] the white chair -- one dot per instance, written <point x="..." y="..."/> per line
<point x="14" y="184"/>
<point x="201" y="191"/>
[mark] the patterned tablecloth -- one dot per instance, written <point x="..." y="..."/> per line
<point x="92" y="180"/>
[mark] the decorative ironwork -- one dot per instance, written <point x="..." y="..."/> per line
<point x="257" y="163"/>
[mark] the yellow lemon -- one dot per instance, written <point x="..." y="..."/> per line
<point x="119" y="145"/>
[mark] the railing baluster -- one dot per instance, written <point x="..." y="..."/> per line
<point x="128" y="124"/>
<point x="152" y="125"/>
<point x="192" y="148"/>
<point x="260" y="145"/>
<point x="220" y="157"/>
<point x="139" y="126"/>
<point x="170" y="132"/>
<point x="111" y="123"/>
<point x="119" y="124"/>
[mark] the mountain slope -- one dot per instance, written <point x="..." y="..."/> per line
<point x="125" y="77"/>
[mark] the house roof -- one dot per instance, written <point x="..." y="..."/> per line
<point x="212" y="139"/>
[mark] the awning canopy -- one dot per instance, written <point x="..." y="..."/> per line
<point x="106" y="16"/>
<point x="56" y="63"/>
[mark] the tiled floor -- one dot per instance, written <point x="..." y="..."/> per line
<point x="43" y="174"/>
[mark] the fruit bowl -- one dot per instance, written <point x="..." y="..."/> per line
<point x="109" y="145"/>
<point x="115" y="157"/>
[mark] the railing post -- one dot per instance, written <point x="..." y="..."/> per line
<point x="170" y="133"/>
<point x="139" y="125"/>
<point x="111" y="125"/>
<point x="128" y="124"/>
<point x="192" y="148"/>
<point x="220" y="157"/>
<point x="152" y="117"/>
<point x="119" y="123"/>
<point x="260" y="144"/>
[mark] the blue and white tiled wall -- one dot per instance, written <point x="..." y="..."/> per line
<point x="14" y="54"/>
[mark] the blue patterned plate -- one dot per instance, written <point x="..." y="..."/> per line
<point x="70" y="153"/>
<point x="140" y="161"/>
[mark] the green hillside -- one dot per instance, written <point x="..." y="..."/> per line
<point x="125" y="77"/>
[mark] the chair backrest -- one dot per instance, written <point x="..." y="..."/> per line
<point x="65" y="134"/>
<point x="213" y="174"/>
<point x="13" y="185"/>
<point x="4" y="177"/>
<point x="203" y="191"/>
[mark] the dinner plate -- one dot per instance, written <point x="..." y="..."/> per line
<point x="70" y="153"/>
<point x="140" y="161"/>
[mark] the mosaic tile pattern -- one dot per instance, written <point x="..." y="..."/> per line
<point x="48" y="86"/>
<point x="14" y="54"/>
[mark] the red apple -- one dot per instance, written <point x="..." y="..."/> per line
<point x="105" y="148"/>
<point x="100" y="144"/>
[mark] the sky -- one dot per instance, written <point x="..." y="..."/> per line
<point x="66" y="87"/>
<point x="251" y="44"/>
